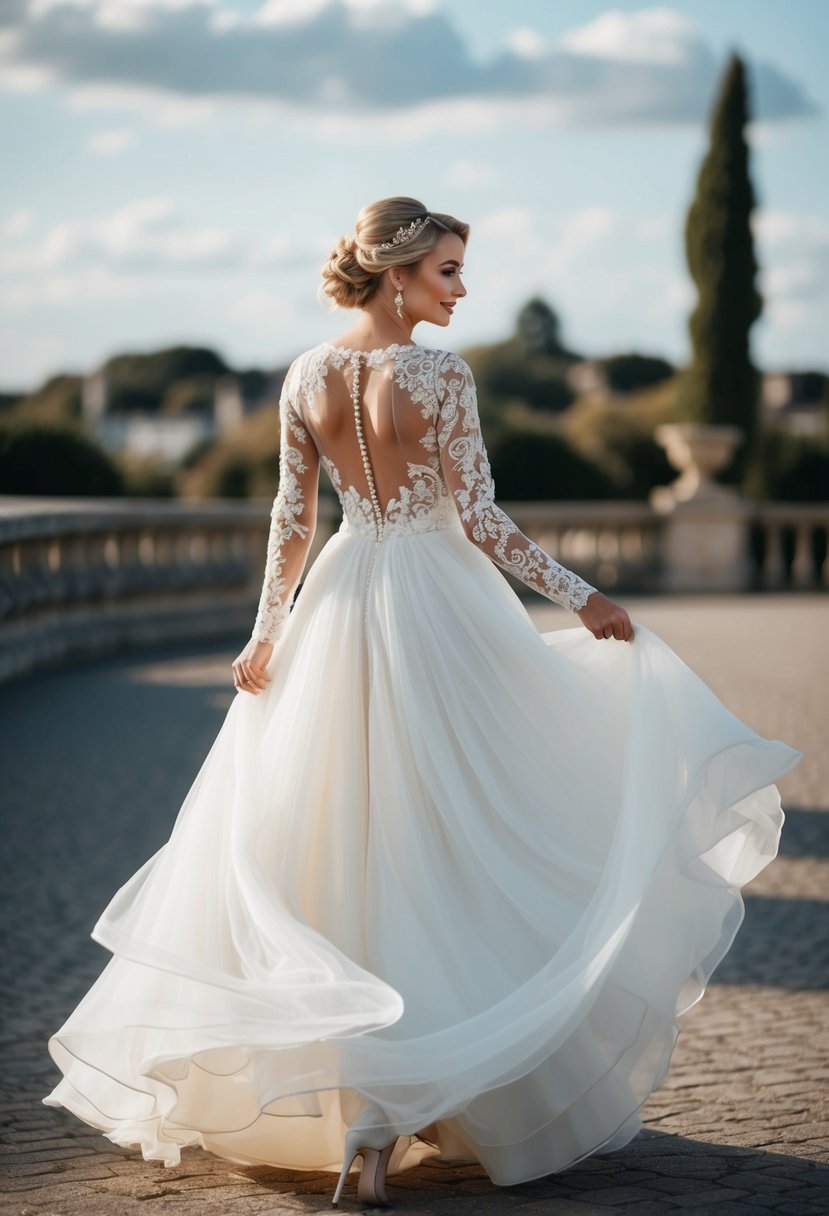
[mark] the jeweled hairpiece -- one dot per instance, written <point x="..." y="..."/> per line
<point x="405" y="233"/>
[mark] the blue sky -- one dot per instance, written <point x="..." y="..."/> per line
<point x="178" y="170"/>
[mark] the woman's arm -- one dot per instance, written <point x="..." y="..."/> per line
<point x="293" y="516"/>
<point x="292" y="528"/>
<point x="466" y="469"/>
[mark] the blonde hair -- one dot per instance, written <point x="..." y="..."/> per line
<point x="352" y="273"/>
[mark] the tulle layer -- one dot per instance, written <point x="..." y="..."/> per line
<point x="447" y="878"/>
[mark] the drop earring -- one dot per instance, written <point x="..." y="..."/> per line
<point x="398" y="301"/>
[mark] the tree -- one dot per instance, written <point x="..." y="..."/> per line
<point x="538" y="330"/>
<point x="721" y="385"/>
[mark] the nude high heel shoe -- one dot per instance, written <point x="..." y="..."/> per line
<point x="371" y="1186"/>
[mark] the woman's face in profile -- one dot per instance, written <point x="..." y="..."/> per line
<point x="437" y="285"/>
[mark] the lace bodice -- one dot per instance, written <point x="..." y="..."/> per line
<point x="398" y="433"/>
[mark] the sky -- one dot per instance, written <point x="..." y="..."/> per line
<point x="177" y="171"/>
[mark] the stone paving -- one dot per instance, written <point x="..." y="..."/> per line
<point x="96" y="761"/>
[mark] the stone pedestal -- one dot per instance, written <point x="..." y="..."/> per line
<point x="705" y="547"/>
<point x="705" y="530"/>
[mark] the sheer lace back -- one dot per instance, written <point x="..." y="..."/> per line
<point x="397" y="430"/>
<point x="373" y="417"/>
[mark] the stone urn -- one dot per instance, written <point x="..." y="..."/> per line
<point x="698" y="452"/>
<point x="703" y="538"/>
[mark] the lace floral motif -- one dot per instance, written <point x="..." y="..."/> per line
<point x="425" y="505"/>
<point x="468" y="474"/>
<point x="288" y="539"/>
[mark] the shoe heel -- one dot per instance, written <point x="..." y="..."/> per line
<point x="371" y="1187"/>
<point x="348" y="1160"/>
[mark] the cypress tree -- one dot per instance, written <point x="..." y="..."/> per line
<point x="721" y="386"/>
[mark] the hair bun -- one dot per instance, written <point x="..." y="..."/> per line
<point x="345" y="280"/>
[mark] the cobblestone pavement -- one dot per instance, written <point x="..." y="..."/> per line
<point x="96" y="761"/>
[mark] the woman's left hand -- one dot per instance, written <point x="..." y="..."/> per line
<point x="249" y="673"/>
<point x="605" y="619"/>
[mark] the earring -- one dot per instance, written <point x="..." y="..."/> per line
<point x="398" y="300"/>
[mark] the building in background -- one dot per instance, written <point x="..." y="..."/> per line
<point x="168" y="437"/>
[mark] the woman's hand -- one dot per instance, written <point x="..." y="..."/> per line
<point x="249" y="673"/>
<point x="605" y="619"/>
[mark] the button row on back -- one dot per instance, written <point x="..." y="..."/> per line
<point x="358" y="421"/>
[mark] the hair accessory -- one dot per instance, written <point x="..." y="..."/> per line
<point x="405" y="233"/>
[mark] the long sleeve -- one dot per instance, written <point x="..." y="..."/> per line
<point x="293" y="515"/>
<point x="468" y="476"/>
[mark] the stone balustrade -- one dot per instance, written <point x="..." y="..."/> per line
<point x="789" y="543"/>
<point x="83" y="577"/>
<point x="80" y="577"/>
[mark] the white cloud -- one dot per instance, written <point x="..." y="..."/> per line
<point x="653" y="227"/>
<point x="681" y="294"/>
<point x="262" y="308"/>
<point x="793" y="251"/>
<point x="651" y="35"/>
<point x="292" y="12"/>
<point x="467" y="173"/>
<point x="19" y="222"/>
<point x="85" y="285"/>
<point x="338" y="58"/>
<point x="510" y="226"/>
<point x="144" y="234"/>
<point x="794" y="279"/>
<point x="163" y="109"/>
<point x="111" y="142"/>
<point x="761" y="134"/>
<point x="578" y="233"/>
<point x="784" y="227"/>
<point x="527" y="42"/>
<point x="138" y="250"/>
<point x="289" y="12"/>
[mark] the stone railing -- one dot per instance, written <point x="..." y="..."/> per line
<point x="83" y="577"/>
<point x="89" y="577"/>
<point x="789" y="544"/>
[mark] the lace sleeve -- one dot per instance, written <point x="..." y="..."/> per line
<point x="466" y="469"/>
<point x="290" y="537"/>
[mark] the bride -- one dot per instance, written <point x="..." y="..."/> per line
<point x="443" y="884"/>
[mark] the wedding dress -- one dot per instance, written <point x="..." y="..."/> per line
<point x="446" y="878"/>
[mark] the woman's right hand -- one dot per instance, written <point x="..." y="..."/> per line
<point x="249" y="673"/>
<point x="605" y="619"/>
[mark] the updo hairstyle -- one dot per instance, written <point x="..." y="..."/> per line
<point x="352" y="274"/>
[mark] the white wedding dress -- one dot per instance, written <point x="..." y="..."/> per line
<point x="446" y="877"/>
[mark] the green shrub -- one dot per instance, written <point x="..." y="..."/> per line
<point x="504" y="371"/>
<point x="796" y="466"/>
<point x="36" y="458"/>
<point x="629" y="372"/>
<point x="538" y="467"/>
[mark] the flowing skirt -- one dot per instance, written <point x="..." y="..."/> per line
<point x="447" y="878"/>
